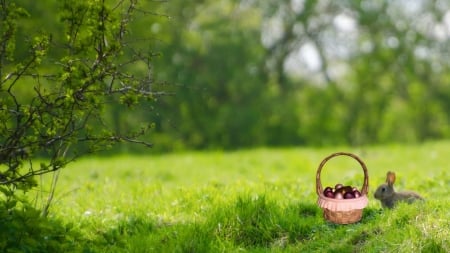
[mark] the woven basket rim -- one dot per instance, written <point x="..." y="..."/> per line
<point x="342" y="204"/>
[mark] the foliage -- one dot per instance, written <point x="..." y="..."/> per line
<point x="23" y="229"/>
<point x="255" y="73"/>
<point x="54" y="95"/>
<point x="226" y="97"/>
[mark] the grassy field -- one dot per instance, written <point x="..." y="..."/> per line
<point x="260" y="200"/>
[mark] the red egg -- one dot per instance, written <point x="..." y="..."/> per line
<point x="338" y="195"/>
<point x="346" y="189"/>
<point x="349" y="195"/>
<point x="338" y="186"/>
<point x="329" y="194"/>
<point x="327" y="189"/>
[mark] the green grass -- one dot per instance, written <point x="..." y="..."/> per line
<point x="260" y="200"/>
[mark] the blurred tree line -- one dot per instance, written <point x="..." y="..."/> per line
<point x="288" y="72"/>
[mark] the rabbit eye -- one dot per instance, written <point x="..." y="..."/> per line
<point x="383" y="189"/>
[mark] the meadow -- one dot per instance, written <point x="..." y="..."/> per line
<point x="259" y="200"/>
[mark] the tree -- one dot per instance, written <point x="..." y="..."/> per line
<point x="53" y="97"/>
<point x="380" y="68"/>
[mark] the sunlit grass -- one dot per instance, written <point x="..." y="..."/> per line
<point x="262" y="199"/>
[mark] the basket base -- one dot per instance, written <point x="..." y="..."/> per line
<point x="342" y="217"/>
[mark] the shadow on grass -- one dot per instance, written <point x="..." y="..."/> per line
<point x="261" y="222"/>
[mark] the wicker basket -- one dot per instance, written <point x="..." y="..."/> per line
<point x="342" y="211"/>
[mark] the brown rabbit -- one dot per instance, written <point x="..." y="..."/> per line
<point x="389" y="197"/>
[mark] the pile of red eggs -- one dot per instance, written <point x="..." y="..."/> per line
<point x="341" y="192"/>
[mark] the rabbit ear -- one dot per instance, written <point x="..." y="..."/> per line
<point x="390" y="178"/>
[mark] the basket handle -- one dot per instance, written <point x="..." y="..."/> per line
<point x="365" y="187"/>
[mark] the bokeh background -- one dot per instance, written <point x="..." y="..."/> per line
<point x="248" y="73"/>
